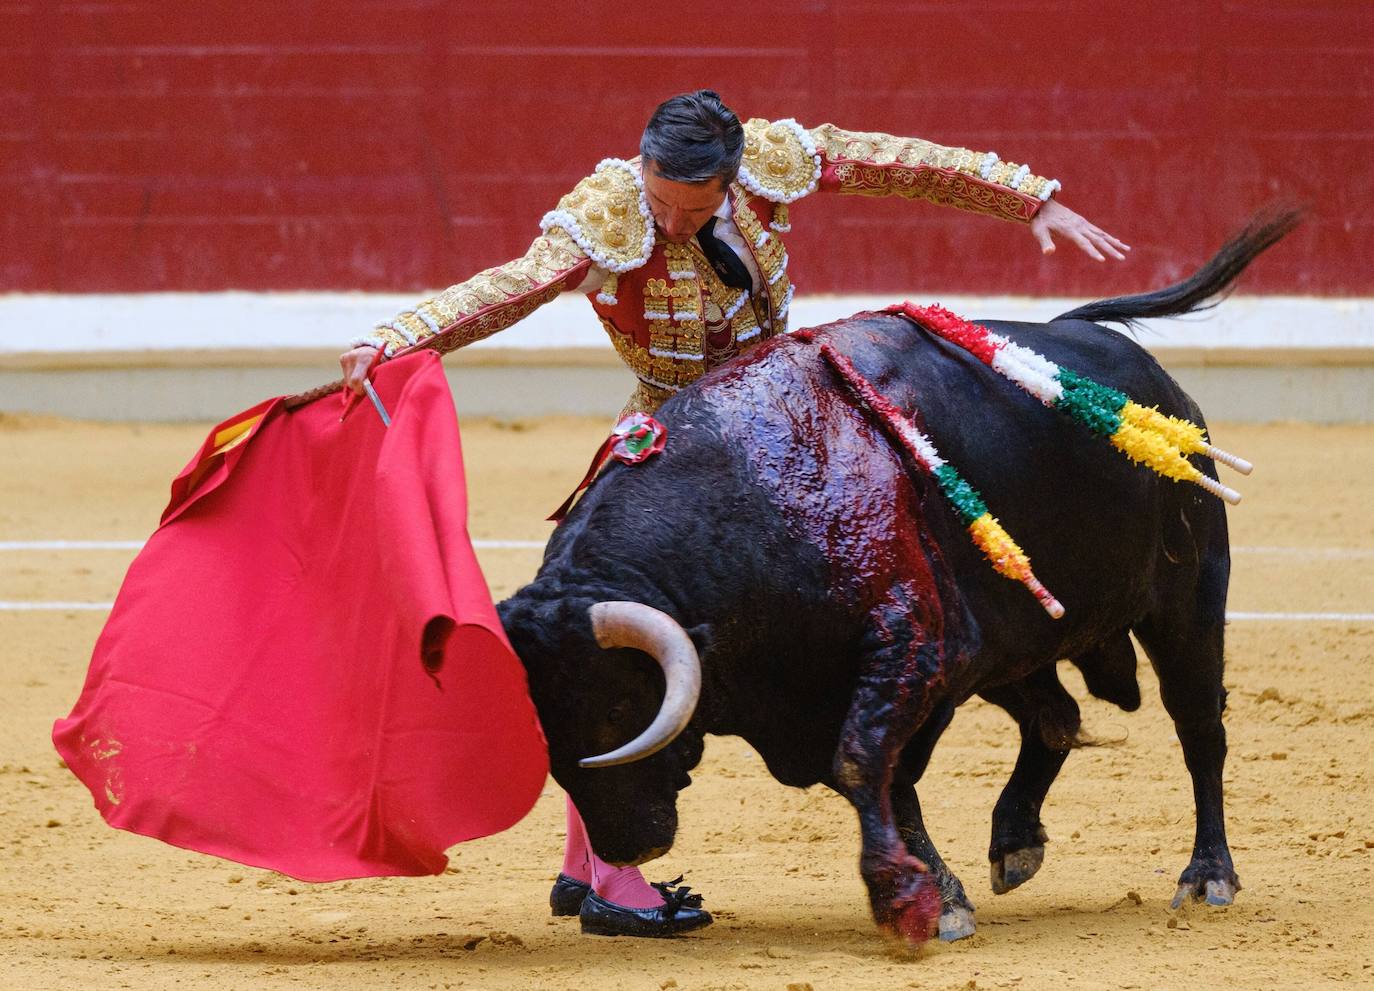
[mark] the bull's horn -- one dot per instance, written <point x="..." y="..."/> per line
<point x="633" y="624"/>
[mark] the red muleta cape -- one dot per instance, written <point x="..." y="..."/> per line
<point x="304" y="670"/>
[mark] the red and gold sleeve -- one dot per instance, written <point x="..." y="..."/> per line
<point x="489" y="301"/>
<point x="865" y="163"/>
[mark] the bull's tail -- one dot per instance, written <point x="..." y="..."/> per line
<point x="1207" y="285"/>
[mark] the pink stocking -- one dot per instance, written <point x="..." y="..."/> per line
<point x="576" y="850"/>
<point x="621" y="885"/>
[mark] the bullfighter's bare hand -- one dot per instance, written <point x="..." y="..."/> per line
<point x="355" y="365"/>
<point x="1055" y="218"/>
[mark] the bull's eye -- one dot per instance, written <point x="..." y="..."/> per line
<point x="616" y="713"/>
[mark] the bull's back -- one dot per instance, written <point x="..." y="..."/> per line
<point x="1093" y="523"/>
<point x="781" y="516"/>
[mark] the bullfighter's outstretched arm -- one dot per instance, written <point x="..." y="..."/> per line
<point x="489" y="301"/>
<point x="868" y="163"/>
<point x="784" y="161"/>
<point x="603" y="225"/>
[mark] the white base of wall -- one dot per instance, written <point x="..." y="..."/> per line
<point x="61" y="324"/>
<point x="205" y="356"/>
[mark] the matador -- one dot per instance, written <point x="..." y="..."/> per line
<point x="682" y="253"/>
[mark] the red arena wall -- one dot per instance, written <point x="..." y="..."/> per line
<point x="403" y="144"/>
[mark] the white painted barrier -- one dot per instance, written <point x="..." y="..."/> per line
<point x="203" y="356"/>
<point x="44" y="324"/>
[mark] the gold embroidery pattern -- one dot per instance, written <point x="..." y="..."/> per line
<point x="745" y="323"/>
<point x="672" y="309"/>
<point x="681" y="262"/>
<point x="656" y="299"/>
<point x="488" y="323"/>
<point x="771" y="255"/>
<point x="780" y="162"/>
<point x="675" y="312"/>
<point x="718" y="299"/>
<point x="638" y="359"/>
<point x="645" y="399"/>
<point x="942" y="188"/>
<point x="608" y="217"/>
<point x="485" y="303"/>
<point x="874" y="164"/>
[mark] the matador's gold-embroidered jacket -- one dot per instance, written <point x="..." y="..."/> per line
<point x="667" y="313"/>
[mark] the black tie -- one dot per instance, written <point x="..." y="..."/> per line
<point x="726" y="263"/>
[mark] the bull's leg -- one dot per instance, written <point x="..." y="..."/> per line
<point x="956" y="911"/>
<point x="1048" y="719"/>
<point x="1183" y="640"/>
<point x="889" y="701"/>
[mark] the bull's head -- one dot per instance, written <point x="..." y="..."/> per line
<point x="615" y="684"/>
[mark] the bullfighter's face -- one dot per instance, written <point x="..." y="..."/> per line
<point x="680" y="209"/>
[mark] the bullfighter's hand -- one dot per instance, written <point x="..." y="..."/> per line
<point x="1055" y="218"/>
<point x="355" y="365"/>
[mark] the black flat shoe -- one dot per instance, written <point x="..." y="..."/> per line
<point x="567" y="895"/>
<point x="680" y="912"/>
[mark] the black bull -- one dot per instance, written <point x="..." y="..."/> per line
<point x="841" y="612"/>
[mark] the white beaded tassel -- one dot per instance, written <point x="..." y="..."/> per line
<point x="1230" y="460"/>
<point x="1226" y="493"/>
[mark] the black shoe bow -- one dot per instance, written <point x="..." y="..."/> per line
<point x="676" y="895"/>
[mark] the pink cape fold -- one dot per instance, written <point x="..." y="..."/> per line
<point x="304" y="670"/>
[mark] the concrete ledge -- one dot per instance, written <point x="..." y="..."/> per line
<point x="1321" y="393"/>
<point x="188" y="393"/>
<point x="1265" y="394"/>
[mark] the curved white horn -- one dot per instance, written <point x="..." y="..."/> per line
<point x="633" y="624"/>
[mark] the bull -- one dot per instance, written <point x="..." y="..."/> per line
<point x="781" y="573"/>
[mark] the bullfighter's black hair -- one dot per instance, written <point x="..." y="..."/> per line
<point x="694" y="137"/>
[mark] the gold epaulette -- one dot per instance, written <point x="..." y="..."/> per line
<point x="608" y="216"/>
<point x="780" y="162"/>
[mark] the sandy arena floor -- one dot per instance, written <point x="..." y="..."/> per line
<point x="84" y="906"/>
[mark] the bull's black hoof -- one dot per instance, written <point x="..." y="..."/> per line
<point x="1216" y="893"/>
<point x="956" y="922"/>
<point x="567" y="895"/>
<point x="603" y="918"/>
<point x="1016" y="868"/>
